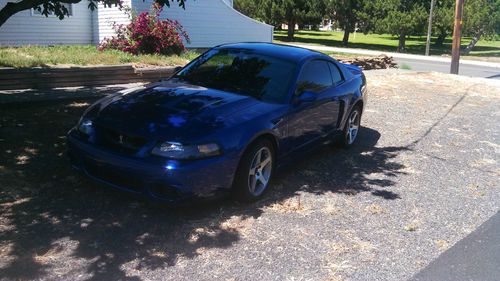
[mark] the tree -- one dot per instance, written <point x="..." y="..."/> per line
<point x="263" y="10"/>
<point x="481" y="18"/>
<point x="347" y="13"/>
<point x="248" y="7"/>
<point x="444" y="16"/>
<point x="300" y="12"/>
<point x="400" y="17"/>
<point x="291" y="12"/>
<point x="57" y="7"/>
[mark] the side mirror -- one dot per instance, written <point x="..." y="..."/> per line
<point x="177" y="68"/>
<point x="306" y="96"/>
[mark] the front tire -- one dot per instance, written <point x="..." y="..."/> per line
<point x="254" y="172"/>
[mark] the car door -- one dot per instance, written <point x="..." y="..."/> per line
<point x="339" y="93"/>
<point x="309" y="121"/>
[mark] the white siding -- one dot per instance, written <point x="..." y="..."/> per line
<point x="213" y="22"/>
<point x="24" y="28"/>
<point x="102" y="21"/>
<point x="207" y="22"/>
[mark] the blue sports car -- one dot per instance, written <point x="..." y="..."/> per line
<point x="220" y="125"/>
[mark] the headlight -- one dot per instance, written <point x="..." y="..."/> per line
<point x="85" y="126"/>
<point x="175" y="150"/>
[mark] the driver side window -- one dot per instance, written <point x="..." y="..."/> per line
<point x="315" y="77"/>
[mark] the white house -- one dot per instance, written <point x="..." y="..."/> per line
<point x="207" y="22"/>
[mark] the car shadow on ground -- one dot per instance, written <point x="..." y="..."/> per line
<point x="52" y="219"/>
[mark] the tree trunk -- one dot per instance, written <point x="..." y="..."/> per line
<point x="347" y="29"/>
<point x="402" y="42"/>
<point x="291" y="30"/>
<point x="440" y="40"/>
<point x="473" y="42"/>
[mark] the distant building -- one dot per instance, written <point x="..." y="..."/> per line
<point x="326" y="25"/>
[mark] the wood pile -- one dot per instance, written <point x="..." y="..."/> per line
<point x="368" y="63"/>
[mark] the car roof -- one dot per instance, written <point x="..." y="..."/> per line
<point x="286" y="52"/>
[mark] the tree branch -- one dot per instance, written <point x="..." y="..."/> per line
<point x="12" y="8"/>
<point x="55" y="7"/>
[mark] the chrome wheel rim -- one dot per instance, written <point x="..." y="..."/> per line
<point x="260" y="171"/>
<point x="353" y="126"/>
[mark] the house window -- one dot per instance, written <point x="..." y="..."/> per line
<point x="37" y="13"/>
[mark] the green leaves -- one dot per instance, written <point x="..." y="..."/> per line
<point x="481" y="15"/>
<point x="276" y="12"/>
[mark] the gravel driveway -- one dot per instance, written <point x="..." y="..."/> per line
<point x="423" y="175"/>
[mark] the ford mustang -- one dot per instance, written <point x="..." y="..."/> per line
<point x="220" y="125"/>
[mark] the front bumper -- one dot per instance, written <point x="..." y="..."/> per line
<point x="160" y="179"/>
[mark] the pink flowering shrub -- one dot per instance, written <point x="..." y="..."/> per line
<point x="147" y="34"/>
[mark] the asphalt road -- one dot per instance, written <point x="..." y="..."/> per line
<point x="476" y="257"/>
<point x="444" y="67"/>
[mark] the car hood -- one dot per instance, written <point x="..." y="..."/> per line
<point x="172" y="109"/>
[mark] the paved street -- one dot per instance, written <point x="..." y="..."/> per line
<point x="444" y="67"/>
<point x="475" y="258"/>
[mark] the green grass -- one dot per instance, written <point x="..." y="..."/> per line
<point x="344" y="55"/>
<point x="31" y="56"/>
<point x="405" y="66"/>
<point x="386" y="42"/>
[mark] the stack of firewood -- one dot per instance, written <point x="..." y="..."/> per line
<point x="367" y="63"/>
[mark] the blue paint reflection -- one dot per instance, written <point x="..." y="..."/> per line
<point x="171" y="165"/>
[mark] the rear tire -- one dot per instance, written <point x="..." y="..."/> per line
<point x="351" y="128"/>
<point x="254" y="172"/>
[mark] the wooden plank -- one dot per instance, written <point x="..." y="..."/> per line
<point x="48" y="85"/>
<point x="66" y="69"/>
<point x="43" y="78"/>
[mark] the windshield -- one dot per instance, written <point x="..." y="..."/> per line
<point x="241" y="72"/>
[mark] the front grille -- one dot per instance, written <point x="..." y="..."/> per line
<point x="113" y="139"/>
<point x="112" y="176"/>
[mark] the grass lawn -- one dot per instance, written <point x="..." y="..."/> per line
<point x="30" y="56"/>
<point x="344" y="55"/>
<point x="386" y="42"/>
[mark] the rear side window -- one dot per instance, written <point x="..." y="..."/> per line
<point x="315" y="77"/>
<point x="336" y="75"/>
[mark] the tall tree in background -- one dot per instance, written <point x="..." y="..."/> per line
<point x="347" y="13"/>
<point x="481" y="18"/>
<point x="249" y="8"/>
<point x="291" y="12"/>
<point x="444" y="15"/>
<point x="402" y="18"/>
